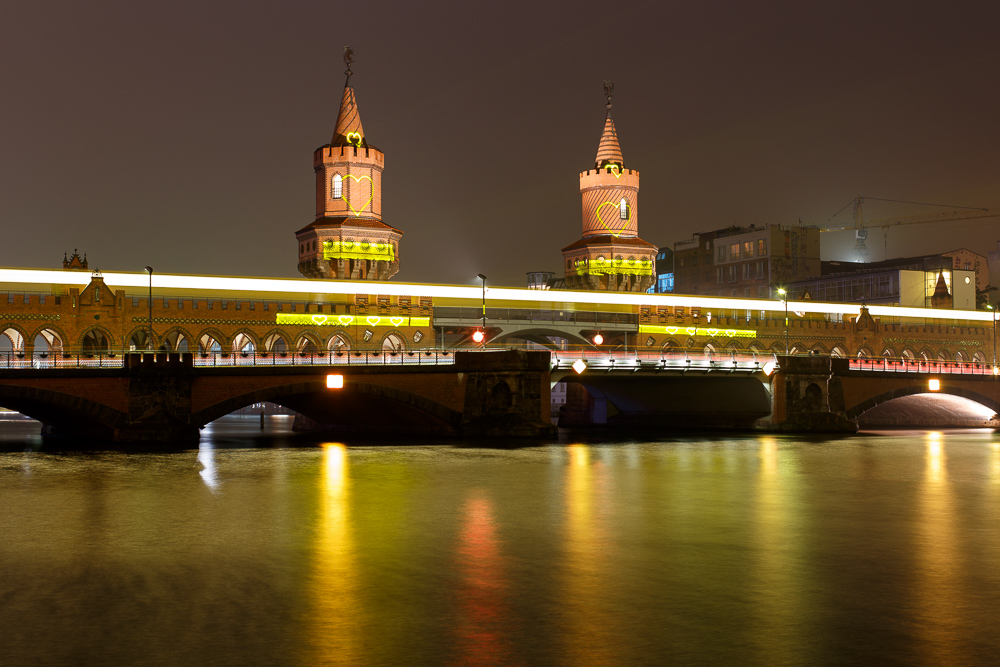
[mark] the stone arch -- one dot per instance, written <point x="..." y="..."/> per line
<point x="339" y="342"/>
<point x="838" y="351"/>
<point x="908" y="354"/>
<point x="926" y="354"/>
<point x="756" y="348"/>
<point x="500" y="398"/>
<point x="96" y="339"/>
<point x="777" y="348"/>
<point x="14" y="335"/>
<point x="734" y="346"/>
<point x="55" y="408"/>
<point x="308" y="342"/>
<point x="889" y="353"/>
<point x="864" y="352"/>
<point x="797" y="348"/>
<point x="393" y="341"/>
<point x="177" y="339"/>
<point x="979" y="357"/>
<point x="245" y="342"/>
<point x="961" y="356"/>
<point x="211" y="341"/>
<point x="53" y="337"/>
<point x="276" y="342"/>
<point x="281" y="394"/>
<point x="943" y="355"/>
<point x="866" y="405"/>
<point x="136" y="339"/>
<point x="711" y="347"/>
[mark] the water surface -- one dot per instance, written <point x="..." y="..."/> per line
<point x="877" y="548"/>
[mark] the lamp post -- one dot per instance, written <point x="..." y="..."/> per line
<point x="483" y="278"/>
<point x="149" y="270"/>
<point x="784" y="298"/>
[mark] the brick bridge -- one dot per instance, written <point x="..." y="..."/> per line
<point x="163" y="398"/>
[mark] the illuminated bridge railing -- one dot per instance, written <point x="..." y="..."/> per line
<point x="922" y="366"/>
<point x="59" y="360"/>
<point x="474" y="315"/>
<point x="729" y="362"/>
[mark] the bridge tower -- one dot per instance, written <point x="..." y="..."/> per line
<point x="348" y="239"/>
<point x="610" y="255"/>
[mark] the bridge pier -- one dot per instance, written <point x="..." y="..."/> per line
<point x="806" y="396"/>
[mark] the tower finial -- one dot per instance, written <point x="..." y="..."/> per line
<point x="609" y="91"/>
<point x="348" y="60"/>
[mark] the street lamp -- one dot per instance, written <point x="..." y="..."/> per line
<point x="483" y="278"/>
<point x="149" y="270"/>
<point x="784" y="298"/>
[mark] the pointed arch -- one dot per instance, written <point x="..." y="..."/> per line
<point x="177" y="339"/>
<point x="13" y="335"/>
<point x="339" y="342"/>
<point x="393" y="341"/>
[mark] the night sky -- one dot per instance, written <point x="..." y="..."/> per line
<point x="181" y="134"/>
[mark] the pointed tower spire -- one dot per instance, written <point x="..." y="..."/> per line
<point x="608" y="151"/>
<point x="349" y="131"/>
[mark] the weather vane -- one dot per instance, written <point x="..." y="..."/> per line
<point x="609" y="90"/>
<point x="348" y="60"/>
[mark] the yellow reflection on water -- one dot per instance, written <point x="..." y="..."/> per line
<point x="335" y="609"/>
<point x="938" y="586"/>
<point x="995" y="464"/>
<point x="589" y="627"/>
<point x="780" y="608"/>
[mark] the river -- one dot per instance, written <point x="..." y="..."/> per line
<point x="880" y="548"/>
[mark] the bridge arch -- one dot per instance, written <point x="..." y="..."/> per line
<point x="96" y="339"/>
<point x="211" y="340"/>
<point x="177" y="339"/>
<point x="393" y="341"/>
<point x="245" y="342"/>
<point x="308" y="342"/>
<point x="864" y="352"/>
<point x="866" y="405"/>
<point x="276" y="342"/>
<point x="838" y="351"/>
<point x="53" y="337"/>
<point x="889" y="353"/>
<point x="340" y="341"/>
<point x="57" y="409"/>
<point x="136" y="338"/>
<point x="312" y="399"/>
<point x="14" y="335"/>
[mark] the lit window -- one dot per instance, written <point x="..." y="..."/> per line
<point x="734" y="251"/>
<point x="748" y="248"/>
<point x="623" y="209"/>
<point x="338" y="187"/>
<point x="761" y="247"/>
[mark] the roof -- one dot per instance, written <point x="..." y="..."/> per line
<point x="610" y="240"/>
<point x="609" y="150"/>
<point x="349" y="130"/>
<point x="347" y="222"/>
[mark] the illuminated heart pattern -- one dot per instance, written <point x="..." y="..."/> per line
<point x="353" y="138"/>
<point x="357" y="211"/>
<point x="320" y="319"/>
<point x="622" y="224"/>
<point x="348" y="320"/>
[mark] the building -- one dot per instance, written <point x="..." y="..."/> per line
<point x="745" y="261"/>
<point x="610" y="255"/>
<point x="928" y="281"/>
<point x="348" y="239"/>
<point x="664" y="271"/>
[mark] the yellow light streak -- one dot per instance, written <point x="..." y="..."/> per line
<point x="698" y="331"/>
<point x="321" y="320"/>
<point x="215" y="284"/>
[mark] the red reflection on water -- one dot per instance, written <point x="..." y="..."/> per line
<point x="482" y="587"/>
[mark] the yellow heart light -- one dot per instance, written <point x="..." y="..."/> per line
<point x="692" y="330"/>
<point x="615" y="169"/>
<point x="357" y="211"/>
<point x="396" y="321"/>
<point x="373" y="320"/>
<point x="624" y="223"/>
<point x="671" y="330"/>
<point x="713" y="332"/>
<point x="730" y="332"/>
<point x="353" y="138"/>
<point x="344" y="320"/>
<point x="320" y="319"/>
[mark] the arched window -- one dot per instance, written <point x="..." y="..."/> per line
<point x="338" y="187"/>
<point x="623" y="209"/>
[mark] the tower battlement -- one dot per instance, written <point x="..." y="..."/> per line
<point x="348" y="154"/>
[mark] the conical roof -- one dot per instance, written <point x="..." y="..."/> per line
<point x="609" y="150"/>
<point x="349" y="130"/>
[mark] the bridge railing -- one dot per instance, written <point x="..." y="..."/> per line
<point x="110" y="359"/>
<point x="670" y="359"/>
<point x="898" y="365"/>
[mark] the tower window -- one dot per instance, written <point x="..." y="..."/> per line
<point x="623" y="209"/>
<point x="338" y="187"/>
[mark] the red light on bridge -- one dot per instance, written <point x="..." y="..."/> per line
<point x="478" y="336"/>
<point x="598" y="339"/>
<point x="334" y="381"/>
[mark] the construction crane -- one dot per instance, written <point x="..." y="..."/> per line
<point x="861" y="227"/>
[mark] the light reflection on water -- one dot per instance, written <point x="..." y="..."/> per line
<point x="750" y="550"/>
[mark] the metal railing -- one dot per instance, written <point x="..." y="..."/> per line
<point x="672" y="359"/>
<point x="897" y="365"/>
<point x="533" y="315"/>
<point x="108" y="359"/>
